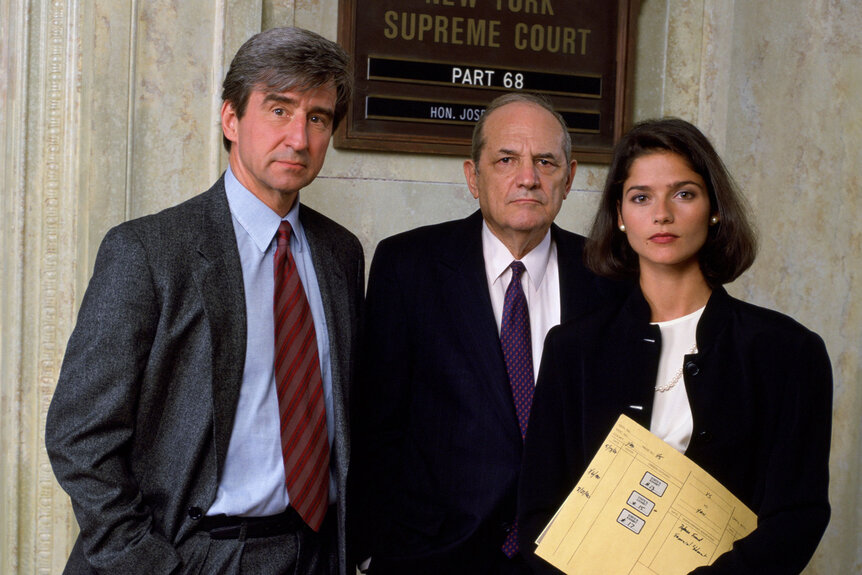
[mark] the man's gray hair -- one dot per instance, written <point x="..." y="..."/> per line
<point x="284" y="59"/>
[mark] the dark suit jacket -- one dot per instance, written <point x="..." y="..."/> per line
<point x="760" y="391"/>
<point x="437" y="447"/>
<point x="140" y="422"/>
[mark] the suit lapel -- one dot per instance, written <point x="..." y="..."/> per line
<point x="466" y="289"/>
<point x="576" y="288"/>
<point x="218" y="274"/>
<point x="334" y="285"/>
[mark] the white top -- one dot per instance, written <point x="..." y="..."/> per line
<point x="541" y="285"/>
<point x="671" y="412"/>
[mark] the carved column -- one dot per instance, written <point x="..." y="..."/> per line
<point x="39" y="151"/>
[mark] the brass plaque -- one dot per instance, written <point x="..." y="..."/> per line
<point x="425" y="69"/>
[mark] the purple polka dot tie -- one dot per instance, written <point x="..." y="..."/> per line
<point x="518" y="354"/>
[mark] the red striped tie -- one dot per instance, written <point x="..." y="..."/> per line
<point x="304" y="441"/>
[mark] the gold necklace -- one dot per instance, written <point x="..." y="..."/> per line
<point x="676" y="377"/>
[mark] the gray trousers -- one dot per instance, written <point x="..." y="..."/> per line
<point x="303" y="552"/>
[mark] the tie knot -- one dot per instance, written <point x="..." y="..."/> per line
<point x="283" y="233"/>
<point x="517" y="269"/>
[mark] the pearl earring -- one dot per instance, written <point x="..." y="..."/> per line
<point x="623" y="228"/>
<point x="713" y="220"/>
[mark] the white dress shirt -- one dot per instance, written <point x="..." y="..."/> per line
<point x="541" y="285"/>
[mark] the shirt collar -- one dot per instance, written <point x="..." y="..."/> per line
<point x="255" y="217"/>
<point x="498" y="258"/>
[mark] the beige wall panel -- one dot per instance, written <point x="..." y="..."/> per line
<point x="683" y="58"/>
<point x="794" y="139"/>
<point x="106" y="154"/>
<point x="173" y="119"/>
<point x="278" y="13"/>
<point x="649" y="84"/>
<point x="12" y="149"/>
<point x="716" y="68"/>
<point x="318" y="15"/>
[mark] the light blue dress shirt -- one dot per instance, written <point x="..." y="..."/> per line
<point x="253" y="478"/>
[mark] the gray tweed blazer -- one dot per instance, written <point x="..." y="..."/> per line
<point x="140" y="422"/>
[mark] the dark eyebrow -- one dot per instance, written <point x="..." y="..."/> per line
<point x="278" y="98"/>
<point x="545" y="156"/>
<point x="282" y="99"/>
<point x="541" y="156"/>
<point x="673" y="186"/>
<point x="686" y="183"/>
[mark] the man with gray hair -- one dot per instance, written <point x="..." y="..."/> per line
<point x="199" y="423"/>
<point x="456" y="318"/>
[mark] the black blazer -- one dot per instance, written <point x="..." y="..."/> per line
<point x="760" y="391"/>
<point x="437" y="447"/>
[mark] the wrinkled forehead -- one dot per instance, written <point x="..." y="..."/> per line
<point x="524" y="126"/>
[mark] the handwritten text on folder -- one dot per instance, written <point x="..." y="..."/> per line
<point x="642" y="508"/>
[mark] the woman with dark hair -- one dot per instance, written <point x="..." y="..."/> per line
<point x="744" y="392"/>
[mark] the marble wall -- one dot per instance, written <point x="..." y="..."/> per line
<point x="109" y="110"/>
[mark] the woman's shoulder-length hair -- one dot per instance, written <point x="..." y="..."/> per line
<point x="731" y="243"/>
